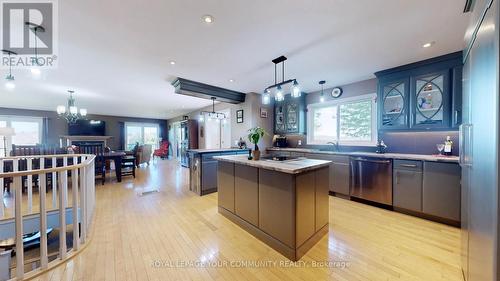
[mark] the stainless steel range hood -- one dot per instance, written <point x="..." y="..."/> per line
<point x="196" y="89"/>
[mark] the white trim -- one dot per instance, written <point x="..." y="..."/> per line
<point x="338" y="102"/>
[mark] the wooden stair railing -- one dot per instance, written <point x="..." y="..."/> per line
<point x="82" y="195"/>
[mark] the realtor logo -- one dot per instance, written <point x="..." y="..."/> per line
<point x="29" y="29"/>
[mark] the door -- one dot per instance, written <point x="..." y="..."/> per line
<point x="394" y="103"/>
<point x="431" y="100"/>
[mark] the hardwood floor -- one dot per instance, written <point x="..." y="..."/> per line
<point x="147" y="237"/>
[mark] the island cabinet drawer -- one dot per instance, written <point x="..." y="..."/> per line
<point x="246" y="193"/>
<point x="225" y="179"/>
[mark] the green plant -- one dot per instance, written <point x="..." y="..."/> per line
<point x="255" y="134"/>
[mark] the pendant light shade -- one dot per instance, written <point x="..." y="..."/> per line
<point x="295" y="90"/>
<point x="322" y="94"/>
<point x="278" y="95"/>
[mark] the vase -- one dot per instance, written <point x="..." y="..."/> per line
<point x="256" y="154"/>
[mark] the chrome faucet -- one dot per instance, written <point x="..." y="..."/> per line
<point x="334" y="144"/>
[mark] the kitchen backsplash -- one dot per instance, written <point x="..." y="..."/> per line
<point x="397" y="142"/>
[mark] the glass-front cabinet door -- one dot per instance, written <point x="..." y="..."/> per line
<point x="394" y="101"/>
<point x="431" y="100"/>
<point x="279" y="115"/>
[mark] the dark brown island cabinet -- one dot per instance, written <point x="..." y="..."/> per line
<point x="284" y="204"/>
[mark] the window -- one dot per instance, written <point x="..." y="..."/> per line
<point x="28" y="131"/>
<point x="142" y="133"/>
<point x="350" y="121"/>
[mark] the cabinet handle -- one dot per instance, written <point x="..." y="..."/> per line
<point x="456" y="116"/>
<point x="397" y="177"/>
<point x="408" y="165"/>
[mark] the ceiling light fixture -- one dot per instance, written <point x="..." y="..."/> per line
<point x="231" y="80"/>
<point x="172" y="62"/>
<point x="35" y="63"/>
<point x="322" y="94"/>
<point x="71" y="112"/>
<point x="428" y="44"/>
<point x="278" y="94"/>
<point x="9" y="83"/>
<point x="208" y="19"/>
<point x="212" y="114"/>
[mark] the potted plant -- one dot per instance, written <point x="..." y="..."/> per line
<point x="254" y="136"/>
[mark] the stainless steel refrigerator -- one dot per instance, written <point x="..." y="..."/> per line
<point x="479" y="136"/>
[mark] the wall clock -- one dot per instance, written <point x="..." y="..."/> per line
<point x="336" y="92"/>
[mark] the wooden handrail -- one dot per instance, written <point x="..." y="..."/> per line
<point x="88" y="160"/>
<point x="42" y="156"/>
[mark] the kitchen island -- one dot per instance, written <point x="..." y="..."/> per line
<point x="282" y="203"/>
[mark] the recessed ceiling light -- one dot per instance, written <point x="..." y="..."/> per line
<point x="231" y="80"/>
<point x="172" y="62"/>
<point x="428" y="44"/>
<point x="208" y="19"/>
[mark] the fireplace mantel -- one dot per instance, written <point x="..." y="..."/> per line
<point x="68" y="140"/>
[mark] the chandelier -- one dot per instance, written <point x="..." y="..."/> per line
<point x="212" y="114"/>
<point x="71" y="113"/>
<point x="278" y="90"/>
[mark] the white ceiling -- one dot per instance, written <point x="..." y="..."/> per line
<point x="116" y="53"/>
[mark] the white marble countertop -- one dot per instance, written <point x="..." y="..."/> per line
<point x="294" y="166"/>
<point x="403" y="156"/>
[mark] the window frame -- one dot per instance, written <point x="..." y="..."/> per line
<point x="142" y="126"/>
<point x="14" y="118"/>
<point x="337" y="103"/>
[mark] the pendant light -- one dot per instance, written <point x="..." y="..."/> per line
<point x="279" y="94"/>
<point x="322" y="95"/>
<point x="212" y="114"/>
<point x="35" y="67"/>
<point x="10" y="81"/>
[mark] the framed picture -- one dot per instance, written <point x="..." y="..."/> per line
<point x="263" y="112"/>
<point x="239" y="116"/>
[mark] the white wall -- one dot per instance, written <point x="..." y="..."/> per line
<point x="251" y="118"/>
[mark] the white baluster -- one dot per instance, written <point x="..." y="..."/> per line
<point x="74" y="192"/>
<point x="18" y="194"/>
<point x="1" y="191"/>
<point x="83" y="192"/>
<point x="30" y="185"/>
<point x="63" y="189"/>
<point x="43" y="216"/>
<point x="54" y="183"/>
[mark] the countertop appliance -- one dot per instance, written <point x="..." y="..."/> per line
<point x="371" y="179"/>
<point x="479" y="137"/>
<point x="280" y="141"/>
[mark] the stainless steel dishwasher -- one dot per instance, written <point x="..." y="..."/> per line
<point x="371" y="179"/>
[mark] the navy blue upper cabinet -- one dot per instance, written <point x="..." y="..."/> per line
<point x="394" y="102"/>
<point x="421" y="96"/>
<point x="290" y="115"/>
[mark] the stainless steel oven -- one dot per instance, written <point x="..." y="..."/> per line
<point x="371" y="179"/>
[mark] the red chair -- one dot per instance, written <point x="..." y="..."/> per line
<point x="162" y="152"/>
